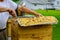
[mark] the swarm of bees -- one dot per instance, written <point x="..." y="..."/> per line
<point x="37" y="20"/>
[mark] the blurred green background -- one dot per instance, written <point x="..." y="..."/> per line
<point x="15" y="0"/>
<point x="56" y="28"/>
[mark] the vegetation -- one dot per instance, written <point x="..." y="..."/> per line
<point x="15" y="0"/>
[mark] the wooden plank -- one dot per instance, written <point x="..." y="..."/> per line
<point x="35" y="33"/>
<point x="9" y="28"/>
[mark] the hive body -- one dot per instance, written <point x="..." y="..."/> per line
<point x="36" y="32"/>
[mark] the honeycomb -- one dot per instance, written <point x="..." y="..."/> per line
<point x="37" y="20"/>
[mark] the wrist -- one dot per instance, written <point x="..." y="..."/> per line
<point x="7" y="10"/>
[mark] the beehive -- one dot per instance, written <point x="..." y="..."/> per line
<point x="36" y="32"/>
<point x="37" y="21"/>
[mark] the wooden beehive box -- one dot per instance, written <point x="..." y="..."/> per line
<point x="29" y="33"/>
<point x="35" y="33"/>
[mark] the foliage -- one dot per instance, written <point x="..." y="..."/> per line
<point x="15" y="0"/>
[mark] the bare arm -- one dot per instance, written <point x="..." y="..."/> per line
<point x="24" y="9"/>
<point x="11" y="11"/>
<point x="2" y="9"/>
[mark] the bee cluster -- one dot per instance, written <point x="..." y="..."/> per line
<point x="37" y="20"/>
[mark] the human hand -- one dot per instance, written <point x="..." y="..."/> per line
<point x="38" y="15"/>
<point x="12" y="12"/>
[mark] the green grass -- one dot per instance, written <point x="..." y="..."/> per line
<point x="56" y="28"/>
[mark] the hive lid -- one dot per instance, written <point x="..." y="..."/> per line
<point x="44" y="20"/>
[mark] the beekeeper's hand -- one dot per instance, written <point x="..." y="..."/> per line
<point x="38" y="15"/>
<point x="12" y="12"/>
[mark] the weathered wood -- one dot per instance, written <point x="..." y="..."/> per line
<point x="9" y="27"/>
<point x="30" y="33"/>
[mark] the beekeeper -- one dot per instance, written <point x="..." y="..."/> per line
<point x="8" y="7"/>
